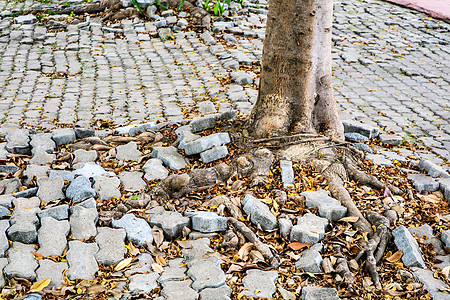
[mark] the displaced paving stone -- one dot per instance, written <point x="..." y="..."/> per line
<point x="52" y="236"/>
<point x="53" y="271"/>
<point x="207" y="142"/>
<point x="10" y="186"/>
<point x="80" y="189"/>
<point x="214" y="154"/>
<point x="89" y="203"/>
<point x="82" y="263"/>
<point x="28" y="193"/>
<point x="206" y="273"/>
<point x="220" y="293"/>
<point x="25" y="19"/>
<point x="209" y="121"/>
<point x="205" y="221"/>
<point x="319" y="293"/>
<point x="444" y="186"/>
<point x="310" y="229"/>
<point x="143" y="283"/>
<point x="363" y="147"/>
<point x="259" y="213"/>
<point x="82" y="133"/>
<point x="21" y="262"/>
<point x="378" y="159"/>
<point x="154" y="170"/>
<point x="391" y="139"/>
<point x="91" y="170"/>
<point x="63" y="136"/>
<point x="60" y="212"/>
<point x="355" y="137"/>
<point x="17" y="141"/>
<point x="241" y="77"/>
<point x="196" y="249"/>
<point x="329" y="207"/>
<point x="171" y="222"/>
<point x="132" y="181"/>
<point x="185" y="135"/>
<point x="111" y="244"/>
<point x="65" y="175"/>
<point x="207" y="38"/>
<point x="35" y="171"/>
<point x="83" y="156"/>
<point x="285" y="227"/>
<point x="430" y="283"/>
<point x="287" y="174"/>
<point x="24" y="223"/>
<point x="260" y="283"/>
<point x="41" y="157"/>
<point x="406" y="243"/>
<point x="4" y="212"/>
<point x="176" y="271"/>
<point x="309" y="261"/>
<point x="138" y="231"/>
<point x="179" y="290"/>
<point x="3" y="263"/>
<point x="424" y="182"/>
<point x="8" y="169"/>
<point x="82" y="222"/>
<point x="445" y="237"/>
<point x="432" y="169"/>
<point x="128" y="152"/>
<point x="358" y="127"/>
<point x="425" y="232"/>
<point x="50" y="189"/>
<point x="170" y="157"/>
<point x="107" y="187"/>
<point x="4" y="244"/>
<point x="206" y="107"/>
<point x="42" y="141"/>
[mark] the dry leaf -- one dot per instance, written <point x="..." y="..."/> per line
<point x="123" y="264"/>
<point x="234" y="268"/>
<point x="184" y="244"/>
<point x="40" y="285"/>
<point x="244" y="251"/>
<point x="446" y="271"/>
<point x="158" y="236"/>
<point x="350" y="219"/>
<point x="160" y="260"/>
<point x="186" y="231"/>
<point x="327" y="266"/>
<point x="38" y="256"/>
<point x="256" y="256"/>
<point x="132" y="249"/>
<point x="395" y="257"/>
<point x="298" y="245"/>
<point x="157" y="268"/>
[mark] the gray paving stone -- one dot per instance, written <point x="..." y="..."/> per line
<point x="216" y="153"/>
<point x="206" y="273"/>
<point x="432" y="169"/>
<point x="107" y="187"/>
<point x="207" y="122"/>
<point x="23" y="227"/>
<point x="17" y="141"/>
<point x="41" y="157"/>
<point x="197" y="249"/>
<point x="391" y="139"/>
<point x="259" y="212"/>
<point x="63" y="136"/>
<point x="241" y="77"/>
<point x="446" y="238"/>
<point x="53" y="271"/>
<point x="82" y="222"/>
<point x="260" y="283"/>
<point x="52" y="236"/>
<point x="8" y="169"/>
<point x="329" y="207"/>
<point x="65" y="175"/>
<point x="3" y="263"/>
<point x="430" y="283"/>
<point x="128" y="152"/>
<point x="42" y="141"/>
<point x="50" y="189"/>
<point x="60" y="212"/>
<point x="179" y="290"/>
<point x="285" y="227"/>
<point x="111" y="245"/>
<point x="132" y="181"/>
<point x="36" y="172"/>
<point x="82" y="133"/>
<point x="91" y="170"/>
<point x="170" y="157"/>
<point x="409" y="247"/>
<point x="424" y="182"/>
<point x="206" y="221"/>
<point x="361" y="128"/>
<point x="143" y="283"/>
<point x="287" y="174"/>
<point x="318" y="293"/>
<point x="25" y="19"/>
<point x="21" y="262"/>
<point x="176" y="271"/>
<point x="444" y="186"/>
<point x="81" y="260"/>
<point x="171" y="222"/>
<point x="137" y="229"/>
<point x="309" y="261"/>
<point x="10" y="186"/>
<point x="83" y="156"/>
<point x="221" y="293"/>
<point x="4" y="244"/>
<point x="425" y="232"/>
<point x="309" y="229"/>
<point x="80" y="189"/>
<point x="207" y="142"/>
<point x="154" y="170"/>
<point x="356" y="137"/>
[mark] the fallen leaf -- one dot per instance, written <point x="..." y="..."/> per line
<point x="38" y="256"/>
<point x="160" y="260"/>
<point x="298" y="245"/>
<point x="350" y="219"/>
<point x="157" y="268"/>
<point x="132" y="249"/>
<point x="184" y="244"/>
<point x="40" y="285"/>
<point x="446" y="271"/>
<point x="123" y="264"/>
<point x="256" y="256"/>
<point x="395" y="257"/>
<point x="234" y="268"/>
<point x="244" y="251"/>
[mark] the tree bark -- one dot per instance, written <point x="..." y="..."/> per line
<point x="295" y="92"/>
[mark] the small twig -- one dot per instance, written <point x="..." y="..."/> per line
<point x="325" y="147"/>
<point x="276" y="138"/>
<point x="307" y="141"/>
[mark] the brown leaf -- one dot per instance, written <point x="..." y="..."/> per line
<point x="394" y="293"/>
<point x="38" y="256"/>
<point x="234" y="268"/>
<point x="244" y="251"/>
<point x="297" y="245"/>
<point x="96" y="289"/>
<point x="185" y="231"/>
<point x="395" y="257"/>
<point x="160" y="260"/>
<point x="158" y="236"/>
<point x="123" y="264"/>
<point x="132" y="249"/>
<point x="256" y="256"/>
<point x="327" y="265"/>
<point x="184" y="244"/>
<point x="350" y="219"/>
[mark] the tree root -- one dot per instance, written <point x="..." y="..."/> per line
<point x="342" y="267"/>
<point x="268" y="252"/>
<point x="377" y="243"/>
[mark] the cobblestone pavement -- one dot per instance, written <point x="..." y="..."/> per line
<point x="390" y="67"/>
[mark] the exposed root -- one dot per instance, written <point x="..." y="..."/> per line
<point x="374" y="249"/>
<point x="230" y="241"/>
<point x="342" y="268"/>
<point x="268" y="252"/>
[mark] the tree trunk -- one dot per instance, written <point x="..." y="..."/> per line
<point x="295" y="92"/>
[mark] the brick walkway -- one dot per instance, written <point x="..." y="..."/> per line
<point x="390" y="66"/>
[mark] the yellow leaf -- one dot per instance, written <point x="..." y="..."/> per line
<point x="40" y="285"/>
<point x="240" y="295"/>
<point x="79" y="291"/>
<point x="157" y="268"/>
<point x="395" y="257"/>
<point x="123" y="264"/>
<point x="351" y="219"/>
<point x="257" y="291"/>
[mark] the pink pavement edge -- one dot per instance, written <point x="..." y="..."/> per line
<point x="439" y="9"/>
